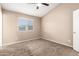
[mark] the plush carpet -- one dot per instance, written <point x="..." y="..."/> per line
<point x="39" y="47"/>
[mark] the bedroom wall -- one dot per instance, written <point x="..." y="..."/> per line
<point x="57" y="25"/>
<point x="0" y="26"/>
<point x="12" y="35"/>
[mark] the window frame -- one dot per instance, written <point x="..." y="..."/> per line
<point x="26" y="29"/>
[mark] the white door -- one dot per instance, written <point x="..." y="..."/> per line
<point x="76" y="30"/>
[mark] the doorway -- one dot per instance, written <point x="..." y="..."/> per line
<point x="76" y="30"/>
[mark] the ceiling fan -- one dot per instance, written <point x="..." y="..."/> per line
<point x="45" y="4"/>
<point x="38" y="5"/>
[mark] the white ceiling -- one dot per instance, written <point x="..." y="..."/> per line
<point x="29" y="8"/>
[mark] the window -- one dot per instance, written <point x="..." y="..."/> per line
<point x="25" y="24"/>
<point x="30" y="25"/>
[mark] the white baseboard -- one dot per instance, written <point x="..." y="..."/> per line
<point x="34" y="39"/>
<point x="55" y="41"/>
<point x="19" y="41"/>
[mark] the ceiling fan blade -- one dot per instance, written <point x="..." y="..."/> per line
<point x="45" y="4"/>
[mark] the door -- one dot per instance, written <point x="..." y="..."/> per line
<point x="76" y="30"/>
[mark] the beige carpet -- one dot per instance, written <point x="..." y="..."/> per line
<point x="39" y="47"/>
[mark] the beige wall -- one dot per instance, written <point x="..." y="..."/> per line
<point x="0" y="26"/>
<point x="10" y="32"/>
<point x="57" y="25"/>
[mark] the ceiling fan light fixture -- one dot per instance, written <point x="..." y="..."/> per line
<point x="37" y="7"/>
